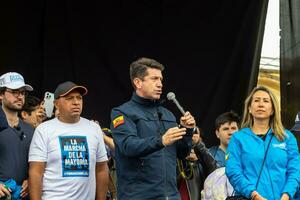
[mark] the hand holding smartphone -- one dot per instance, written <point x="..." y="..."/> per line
<point x="49" y="103"/>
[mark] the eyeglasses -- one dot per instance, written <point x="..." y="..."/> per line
<point x="17" y="93"/>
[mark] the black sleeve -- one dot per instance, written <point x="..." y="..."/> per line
<point x="207" y="161"/>
<point x="184" y="145"/>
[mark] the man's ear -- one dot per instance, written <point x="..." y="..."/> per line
<point x="56" y="103"/>
<point x="217" y="134"/>
<point x="137" y="82"/>
<point x="24" y="115"/>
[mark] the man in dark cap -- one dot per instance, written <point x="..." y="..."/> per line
<point x="67" y="155"/>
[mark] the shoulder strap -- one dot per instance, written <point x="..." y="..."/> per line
<point x="262" y="165"/>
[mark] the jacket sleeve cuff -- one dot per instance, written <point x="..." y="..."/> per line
<point x="160" y="142"/>
<point x="249" y="191"/>
<point x="189" y="131"/>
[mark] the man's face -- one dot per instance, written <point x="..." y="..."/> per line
<point x="13" y="100"/>
<point x="70" y="106"/>
<point x="225" y="132"/>
<point x="151" y="85"/>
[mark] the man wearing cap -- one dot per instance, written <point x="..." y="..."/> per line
<point x="67" y="156"/>
<point x="15" y="136"/>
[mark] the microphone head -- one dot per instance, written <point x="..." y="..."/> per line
<point x="171" y="96"/>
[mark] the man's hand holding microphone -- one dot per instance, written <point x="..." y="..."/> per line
<point x="186" y="121"/>
<point x="176" y="133"/>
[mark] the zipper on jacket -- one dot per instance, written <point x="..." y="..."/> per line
<point x="162" y="132"/>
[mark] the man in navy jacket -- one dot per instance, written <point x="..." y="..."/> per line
<point x="148" y="139"/>
<point x="15" y="136"/>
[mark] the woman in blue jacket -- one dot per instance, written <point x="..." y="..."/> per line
<point x="262" y="127"/>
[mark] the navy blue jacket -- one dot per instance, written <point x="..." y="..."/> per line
<point x="14" y="148"/>
<point x="145" y="168"/>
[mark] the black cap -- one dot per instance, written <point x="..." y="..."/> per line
<point x="65" y="88"/>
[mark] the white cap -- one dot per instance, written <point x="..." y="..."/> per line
<point x="14" y="80"/>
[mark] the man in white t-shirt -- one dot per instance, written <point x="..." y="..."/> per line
<point x="67" y="156"/>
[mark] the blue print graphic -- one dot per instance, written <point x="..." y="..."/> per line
<point x="74" y="155"/>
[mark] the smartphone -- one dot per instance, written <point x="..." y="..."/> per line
<point x="49" y="103"/>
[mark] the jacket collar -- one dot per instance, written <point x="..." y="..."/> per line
<point x="144" y="101"/>
<point x="250" y="132"/>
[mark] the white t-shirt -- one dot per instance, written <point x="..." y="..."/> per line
<point x="70" y="152"/>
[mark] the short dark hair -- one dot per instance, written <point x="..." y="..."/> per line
<point x="31" y="103"/>
<point x="2" y="90"/>
<point x="138" y="68"/>
<point x="227" y="117"/>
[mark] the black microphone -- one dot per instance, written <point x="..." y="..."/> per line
<point x="171" y="96"/>
<point x="20" y="132"/>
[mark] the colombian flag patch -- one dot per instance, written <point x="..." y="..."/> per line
<point x="226" y="156"/>
<point x="118" y="121"/>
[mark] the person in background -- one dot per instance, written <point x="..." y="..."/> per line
<point x="262" y="158"/>
<point x="225" y="125"/>
<point x="67" y="156"/>
<point x="194" y="169"/>
<point x="15" y="137"/>
<point x="108" y="140"/>
<point x="33" y="111"/>
<point x="296" y="131"/>
<point x="216" y="185"/>
<point x="147" y="138"/>
<point x="110" y="148"/>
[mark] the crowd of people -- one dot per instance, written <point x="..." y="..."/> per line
<point x="145" y="154"/>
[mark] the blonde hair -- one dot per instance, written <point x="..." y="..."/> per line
<point x="275" y="119"/>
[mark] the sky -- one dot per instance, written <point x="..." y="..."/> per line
<point x="271" y="41"/>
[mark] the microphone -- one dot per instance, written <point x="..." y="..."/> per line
<point x="22" y="135"/>
<point x="20" y="132"/>
<point x="171" y="97"/>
